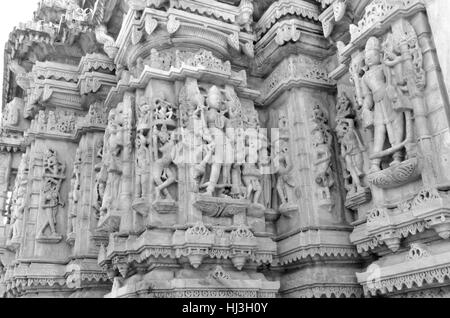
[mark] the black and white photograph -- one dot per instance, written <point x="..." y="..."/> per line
<point x="231" y="154"/>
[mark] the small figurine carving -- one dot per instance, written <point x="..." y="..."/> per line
<point x="251" y="176"/>
<point x="144" y="113"/>
<point x="12" y="112"/>
<point x="17" y="215"/>
<point x="216" y="123"/>
<point x="51" y="203"/>
<point x="75" y="192"/>
<point x="52" y="166"/>
<point x="142" y="166"/>
<point x="51" y="122"/>
<point x="322" y="145"/>
<point x="42" y="122"/>
<point x="54" y="174"/>
<point x="139" y="67"/>
<point x="286" y="185"/>
<point x="245" y="18"/>
<point x="113" y="146"/>
<point x="352" y="151"/>
<point x="164" y="173"/>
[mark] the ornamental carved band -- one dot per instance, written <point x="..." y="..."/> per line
<point x="226" y="148"/>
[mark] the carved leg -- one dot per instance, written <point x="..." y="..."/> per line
<point x="157" y="173"/>
<point x="44" y="227"/>
<point x="235" y="179"/>
<point x="144" y="185"/>
<point x="354" y="172"/>
<point x="215" y="175"/>
<point x="249" y="191"/>
<point x="74" y="225"/>
<point x="171" y="179"/>
<point x="281" y="194"/>
<point x="358" y="164"/>
<point x="138" y="188"/>
<point x="12" y="232"/>
<point x="258" y="192"/>
<point x="226" y="174"/>
<point x="398" y="135"/>
<point x="52" y="223"/>
<point x="379" y="140"/>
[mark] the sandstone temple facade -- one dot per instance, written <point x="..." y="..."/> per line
<point x="232" y="148"/>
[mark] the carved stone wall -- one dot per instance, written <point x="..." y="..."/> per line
<point x="254" y="149"/>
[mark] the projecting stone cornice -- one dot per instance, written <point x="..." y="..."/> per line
<point x="288" y="37"/>
<point x="55" y="71"/>
<point x="184" y="29"/>
<point x="340" y="291"/>
<point x="218" y="10"/>
<point x="386" y="231"/>
<point x="429" y="209"/>
<point x="312" y="244"/>
<point x="96" y="62"/>
<point x="286" y="8"/>
<point x="12" y="144"/>
<point x="420" y="266"/>
<point x="58" y="93"/>
<point x="295" y="71"/>
<point x="201" y="65"/>
<point x="196" y="242"/>
<point x="25" y="278"/>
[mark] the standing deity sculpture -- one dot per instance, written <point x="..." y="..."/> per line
<point x="217" y="122"/>
<point x="17" y="215"/>
<point x="256" y="160"/>
<point x="75" y="192"/>
<point x="113" y="146"/>
<point x="100" y="179"/>
<point x="286" y="184"/>
<point x="252" y="177"/>
<point x="352" y="152"/>
<point x="12" y="112"/>
<point x="19" y="201"/>
<point x="164" y="172"/>
<point x="351" y="147"/>
<point x="322" y="145"/>
<point x="195" y="148"/>
<point x="51" y="203"/>
<point x="54" y="174"/>
<point x="42" y="121"/>
<point x="142" y="166"/>
<point x="51" y="122"/>
<point x="144" y="113"/>
<point x="379" y="108"/>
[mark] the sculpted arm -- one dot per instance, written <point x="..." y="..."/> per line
<point x="367" y="96"/>
<point x="368" y="104"/>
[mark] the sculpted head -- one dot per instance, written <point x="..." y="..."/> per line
<point x="318" y="136"/>
<point x="112" y="115"/>
<point x="214" y="97"/>
<point x="342" y="128"/>
<point x="373" y="52"/>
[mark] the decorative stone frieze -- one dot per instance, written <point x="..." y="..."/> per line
<point x="229" y="149"/>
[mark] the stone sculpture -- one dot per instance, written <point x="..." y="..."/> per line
<point x="226" y="149"/>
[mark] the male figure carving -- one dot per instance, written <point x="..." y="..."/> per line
<point x="377" y="107"/>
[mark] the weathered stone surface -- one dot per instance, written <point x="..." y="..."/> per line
<point x="227" y="149"/>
